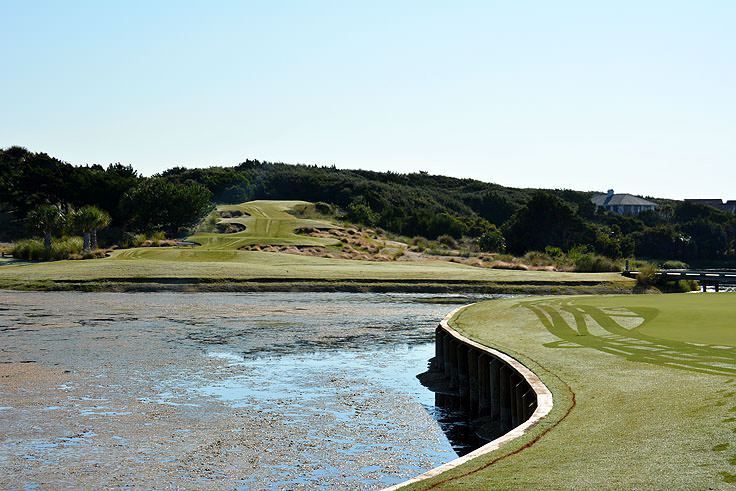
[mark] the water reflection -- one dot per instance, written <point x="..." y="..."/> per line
<point x="456" y="422"/>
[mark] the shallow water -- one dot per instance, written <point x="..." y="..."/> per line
<point x="246" y="391"/>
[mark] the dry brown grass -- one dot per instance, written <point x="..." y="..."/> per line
<point x="95" y="254"/>
<point x="158" y="243"/>
<point x="508" y="265"/>
<point x="372" y="245"/>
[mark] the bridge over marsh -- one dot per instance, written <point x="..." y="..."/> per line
<point x="705" y="277"/>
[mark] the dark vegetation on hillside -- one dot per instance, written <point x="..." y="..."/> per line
<point x="417" y="204"/>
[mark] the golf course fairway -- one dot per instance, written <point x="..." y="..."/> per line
<point x="216" y="262"/>
<point x="265" y="222"/>
<point x="644" y="391"/>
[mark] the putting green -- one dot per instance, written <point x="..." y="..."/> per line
<point x="644" y="390"/>
<point x="692" y="318"/>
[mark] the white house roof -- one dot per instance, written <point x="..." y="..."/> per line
<point x="619" y="199"/>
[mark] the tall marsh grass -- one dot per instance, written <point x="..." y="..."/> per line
<point x="585" y="261"/>
<point x="593" y="263"/>
<point x="33" y="249"/>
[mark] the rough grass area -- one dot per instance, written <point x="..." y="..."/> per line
<point x="34" y="250"/>
<point x="644" y="390"/>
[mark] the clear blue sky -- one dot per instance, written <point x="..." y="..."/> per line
<point x="633" y="95"/>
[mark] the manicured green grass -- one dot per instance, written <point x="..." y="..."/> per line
<point x="268" y="222"/>
<point x="644" y="390"/>
<point x="219" y="263"/>
<point x="219" y="258"/>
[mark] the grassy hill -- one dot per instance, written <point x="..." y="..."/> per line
<point x="412" y="205"/>
<point x="265" y="222"/>
<point x="220" y="263"/>
<point x="644" y="392"/>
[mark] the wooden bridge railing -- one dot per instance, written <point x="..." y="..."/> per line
<point x="703" y="277"/>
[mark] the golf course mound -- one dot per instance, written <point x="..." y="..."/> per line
<point x="261" y="223"/>
<point x="644" y="392"/>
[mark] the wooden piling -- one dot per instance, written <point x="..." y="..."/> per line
<point x="484" y="385"/>
<point x="473" y="381"/>
<point x="462" y="373"/>
<point x="505" y="397"/>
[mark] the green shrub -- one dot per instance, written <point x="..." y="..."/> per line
<point x="647" y="275"/>
<point x="554" y="251"/>
<point x="131" y="240"/>
<point x="208" y="224"/>
<point x="593" y="263"/>
<point x="436" y="251"/>
<point x="492" y="241"/>
<point x="674" y="265"/>
<point x="447" y="240"/>
<point x="360" y="212"/>
<point x="30" y="249"/>
<point x="577" y="251"/>
<point x="637" y="264"/>
<point x="396" y="255"/>
<point x="420" y="242"/>
<point x="61" y="249"/>
<point x="157" y="238"/>
<point x="536" y="258"/>
<point x="682" y="286"/>
<point x="584" y="260"/>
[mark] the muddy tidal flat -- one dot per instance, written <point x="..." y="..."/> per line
<point x="210" y="390"/>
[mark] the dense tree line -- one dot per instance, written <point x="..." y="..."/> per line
<point x="30" y="179"/>
<point x="135" y="204"/>
<point x="415" y="204"/>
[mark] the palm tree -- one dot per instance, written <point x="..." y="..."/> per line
<point x="47" y="219"/>
<point x="102" y="220"/>
<point x="84" y="221"/>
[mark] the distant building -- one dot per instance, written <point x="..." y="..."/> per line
<point x="622" y="204"/>
<point x="729" y="206"/>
